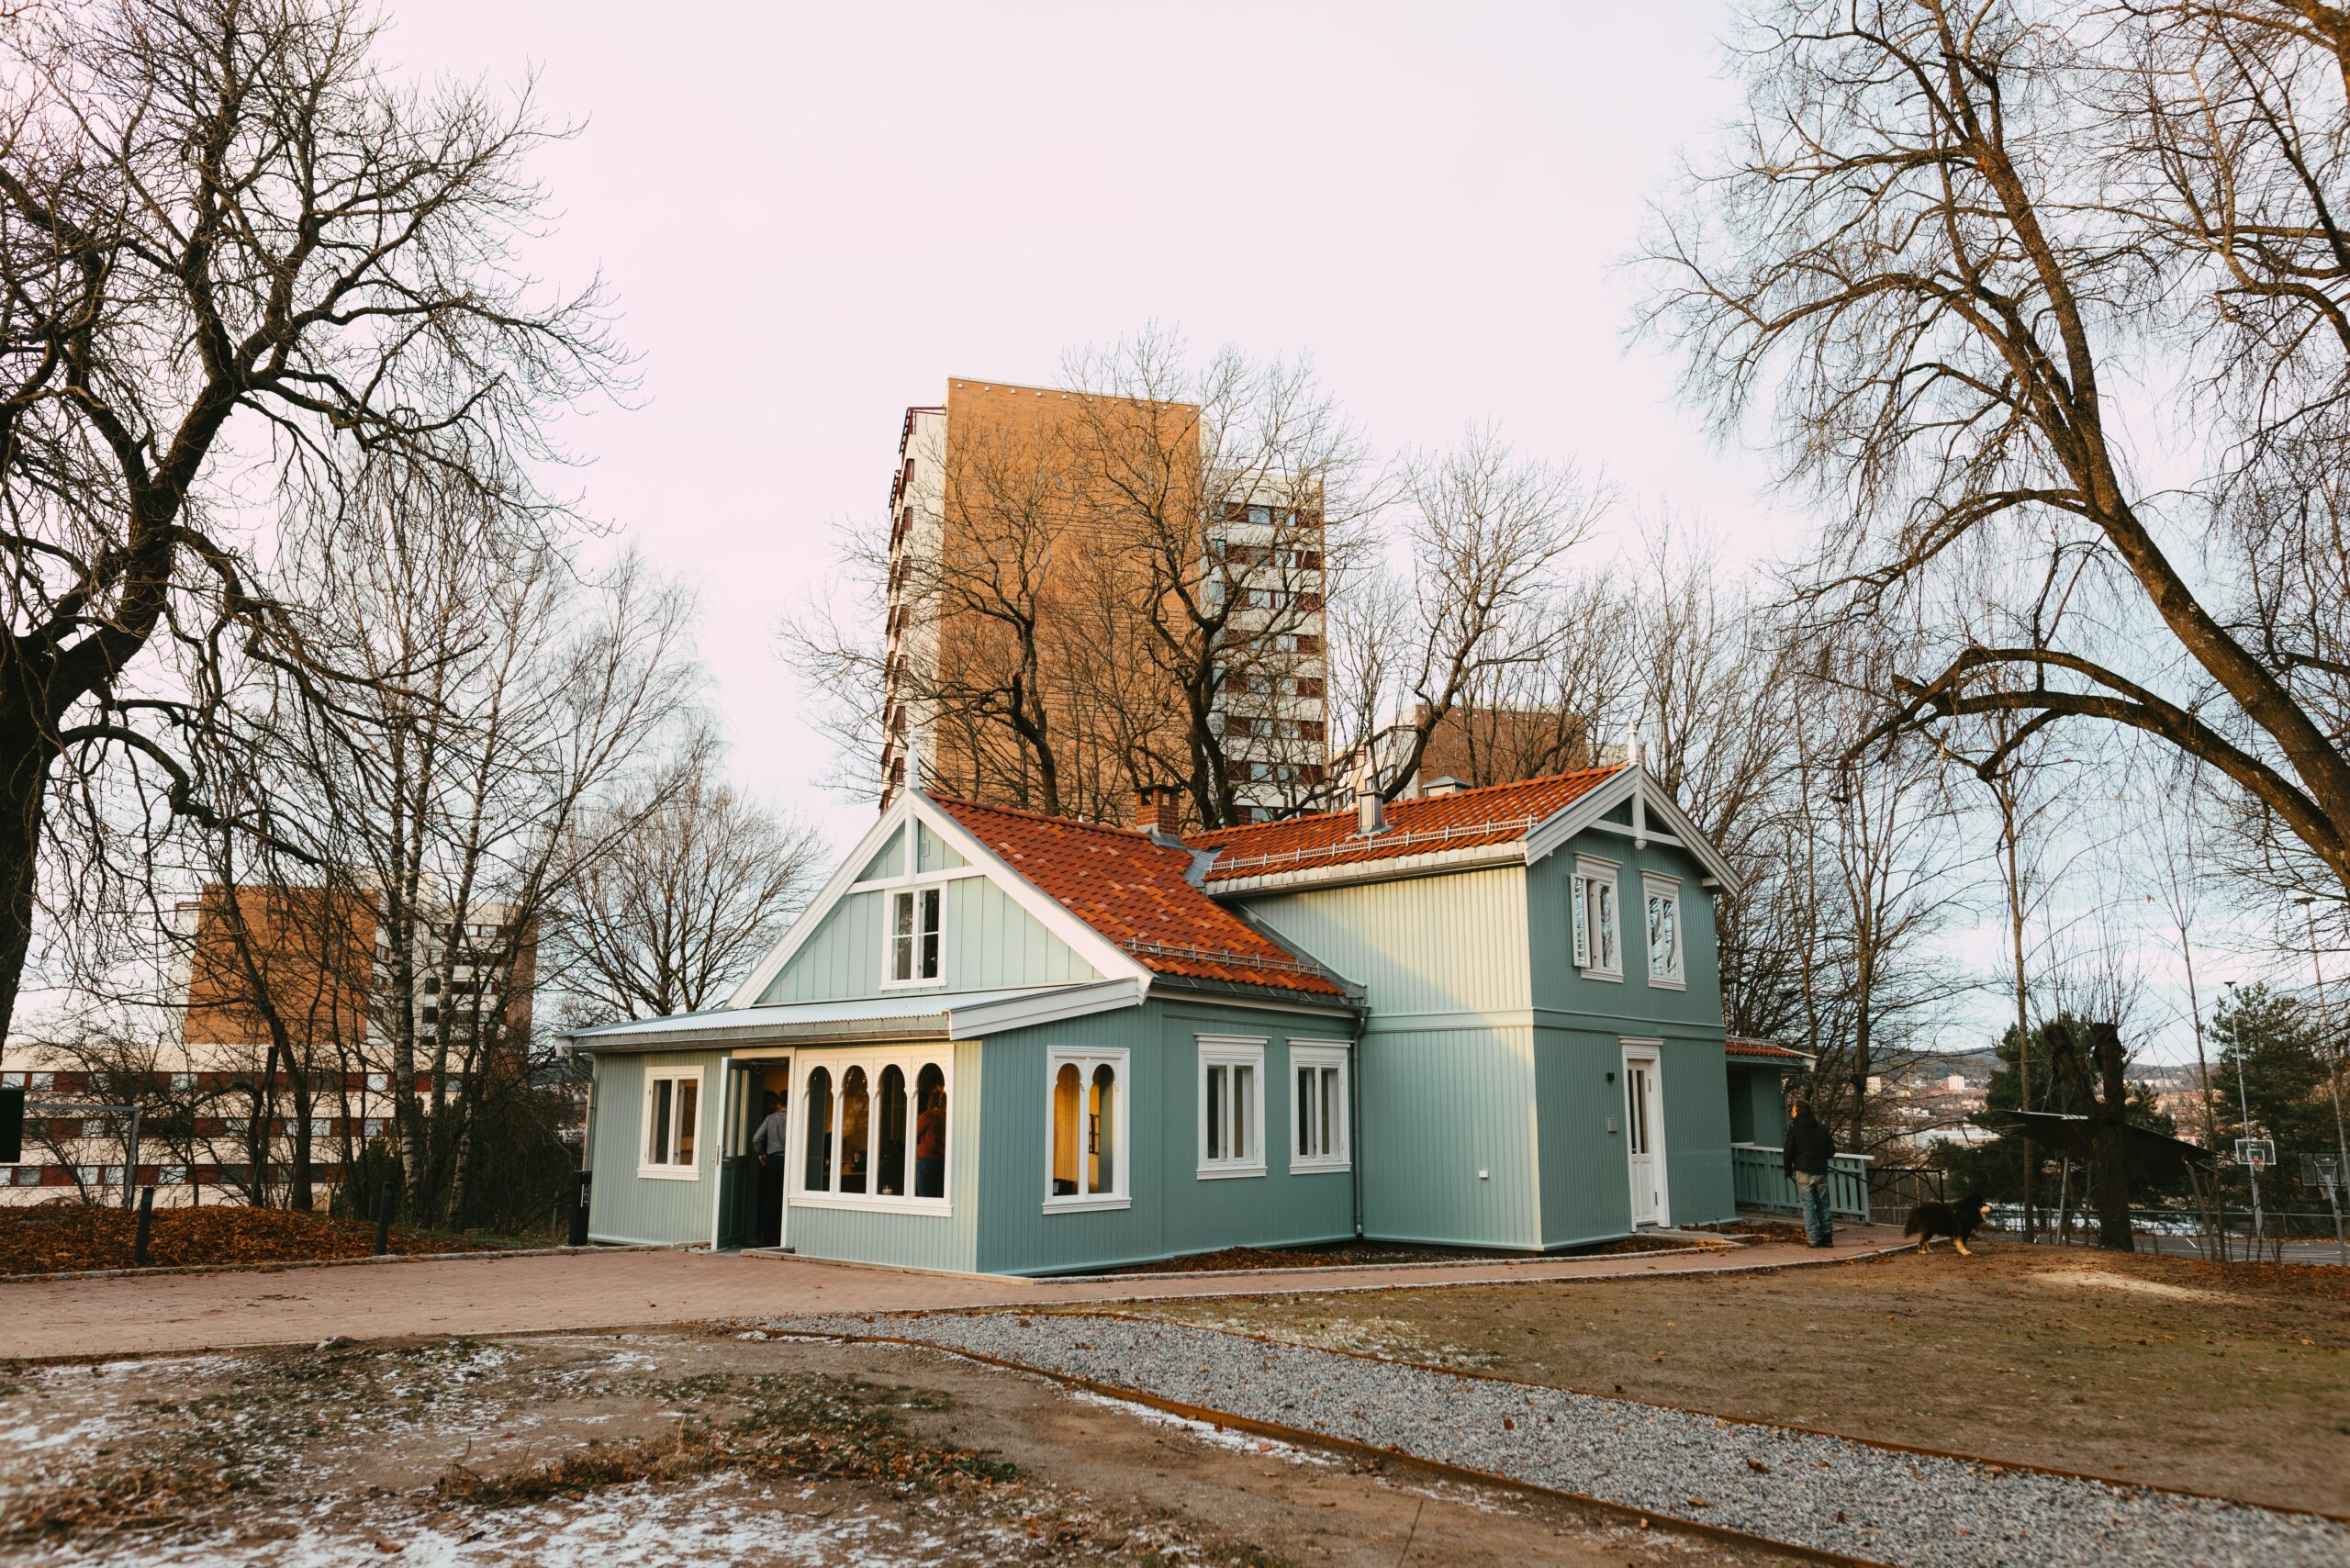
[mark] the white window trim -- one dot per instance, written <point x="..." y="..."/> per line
<point x="1231" y="1051"/>
<point x="644" y="1125"/>
<point x="1655" y="884"/>
<point x="1322" y="1054"/>
<point x="1116" y="1059"/>
<point x="1591" y="871"/>
<point x="890" y="940"/>
<point x="836" y="1066"/>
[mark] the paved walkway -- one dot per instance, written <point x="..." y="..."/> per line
<point x="128" y="1314"/>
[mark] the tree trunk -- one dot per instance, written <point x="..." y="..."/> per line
<point x="25" y="757"/>
<point x="2110" y="1175"/>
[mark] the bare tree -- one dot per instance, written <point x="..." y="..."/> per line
<point x="231" y="248"/>
<point x="675" y="899"/>
<point x="1947" y="241"/>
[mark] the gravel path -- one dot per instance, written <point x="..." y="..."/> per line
<point x="1795" y="1487"/>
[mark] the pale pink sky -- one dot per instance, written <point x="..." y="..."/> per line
<point x="813" y="214"/>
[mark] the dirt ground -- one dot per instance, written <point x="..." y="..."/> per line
<point x="2186" y="1374"/>
<point x="680" y="1447"/>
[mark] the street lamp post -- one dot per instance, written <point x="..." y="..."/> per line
<point x="2333" y="1072"/>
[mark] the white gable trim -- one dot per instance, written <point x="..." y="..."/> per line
<point x="1107" y="957"/>
<point x="1650" y="806"/>
<point x="1112" y="961"/>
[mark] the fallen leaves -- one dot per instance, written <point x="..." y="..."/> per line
<point x="63" y="1237"/>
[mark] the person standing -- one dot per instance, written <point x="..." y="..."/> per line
<point x="1809" y="1146"/>
<point x="769" y="1143"/>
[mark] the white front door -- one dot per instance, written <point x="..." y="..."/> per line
<point x="1644" y="1134"/>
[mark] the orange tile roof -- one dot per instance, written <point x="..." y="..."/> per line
<point x="1738" y="1046"/>
<point x="1495" y="813"/>
<point x="1134" y="892"/>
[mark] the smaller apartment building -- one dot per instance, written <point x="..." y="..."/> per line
<point x="308" y="970"/>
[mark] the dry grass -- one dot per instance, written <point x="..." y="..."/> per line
<point x="61" y="1237"/>
<point x="2219" y="1378"/>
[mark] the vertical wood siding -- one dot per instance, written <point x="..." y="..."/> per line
<point x="1439" y="1106"/>
<point x="622" y="1206"/>
<point x="1172" y="1212"/>
<point x="1448" y="944"/>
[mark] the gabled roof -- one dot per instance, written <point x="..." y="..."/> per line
<point x="1134" y="891"/>
<point x="1495" y="813"/>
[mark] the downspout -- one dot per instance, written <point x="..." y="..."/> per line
<point x="1354" y="1123"/>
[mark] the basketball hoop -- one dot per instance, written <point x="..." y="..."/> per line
<point x="2260" y="1153"/>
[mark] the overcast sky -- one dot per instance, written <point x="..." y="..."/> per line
<point x="812" y="215"/>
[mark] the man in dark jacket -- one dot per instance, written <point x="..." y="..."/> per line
<point x="1809" y="1145"/>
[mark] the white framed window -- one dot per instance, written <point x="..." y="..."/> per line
<point x="1319" y="1108"/>
<point x="672" y="1129"/>
<point x="1663" y="897"/>
<point x="1085" y="1131"/>
<point x="916" y="915"/>
<point x="1598" y="919"/>
<point x="1232" y="1105"/>
<point x="874" y="1129"/>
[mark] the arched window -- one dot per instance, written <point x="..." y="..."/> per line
<point x="1102" y="1132"/>
<point x="890" y="1133"/>
<point x="929" y="1132"/>
<point x="818" y="1176"/>
<point x="1068" y="1094"/>
<point x="856" y="1119"/>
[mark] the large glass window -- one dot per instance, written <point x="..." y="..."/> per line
<point x="856" y="1107"/>
<point x="914" y="914"/>
<point x="1320" y="1106"/>
<point x="930" y="1133"/>
<point x="1085" y="1104"/>
<point x="1232" y="1105"/>
<point x="890" y="1133"/>
<point x="672" y="1120"/>
<point x="891" y="1112"/>
<point x="818" y="1178"/>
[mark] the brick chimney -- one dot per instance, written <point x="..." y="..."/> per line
<point x="1159" y="809"/>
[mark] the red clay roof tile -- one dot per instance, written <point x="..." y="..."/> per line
<point x="1495" y="813"/>
<point x="1761" y="1050"/>
<point x="1132" y="891"/>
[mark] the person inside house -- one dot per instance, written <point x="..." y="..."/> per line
<point x="930" y="1146"/>
<point x="768" y="1143"/>
<point x="1809" y="1147"/>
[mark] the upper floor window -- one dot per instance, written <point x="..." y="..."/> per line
<point x="1663" y="896"/>
<point x="1597" y="920"/>
<point x="913" y="935"/>
<point x="1232" y="1105"/>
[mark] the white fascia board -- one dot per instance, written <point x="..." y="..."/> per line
<point x="1549" y="836"/>
<point x="1112" y="961"/>
<point x="1047" y="1007"/>
<point x="760" y="978"/>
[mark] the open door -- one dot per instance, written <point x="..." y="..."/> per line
<point x="1644" y="1133"/>
<point x="737" y="1187"/>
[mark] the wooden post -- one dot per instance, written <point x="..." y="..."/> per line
<point x="384" y="1201"/>
<point x="146" y="1224"/>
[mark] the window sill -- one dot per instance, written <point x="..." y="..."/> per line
<point x="1615" y="978"/>
<point x="1656" y="984"/>
<point x="939" y="1206"/>
<point x="1085" y="1205"/>
<point x="1227" y="1173"/>
<point x="669" y="1172"/>
<point x="1318" y="1167"/>
<point x="936" y="983"/>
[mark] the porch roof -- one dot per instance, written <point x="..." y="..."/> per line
<point x="926" y="1015"/>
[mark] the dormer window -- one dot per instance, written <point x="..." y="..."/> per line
<point x="1598" y="919"/>
<point x="913" y="936"/>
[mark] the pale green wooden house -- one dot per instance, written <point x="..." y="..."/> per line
<point x="1006" y="1043"/>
